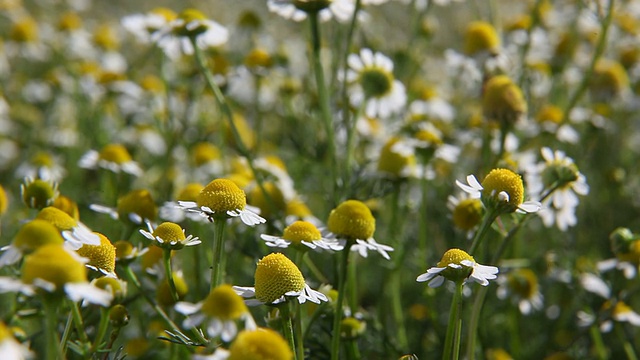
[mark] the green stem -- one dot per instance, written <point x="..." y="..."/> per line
<point x="298" y="330"/>
<point x="102" y="329"/>
<point x="395" y="277"/>
<point x="78" y="323"/>
<point x="454" y="328"/>
<point x="287" y="328"/>
<point x="66" y="333"/>
<point x="217" y="269"/>
<point x="166" y="257"/>
<point x="315" y="270"/>
<point x="586" y="79"/>
<point x="626" y="345"/>
<point x="487" y="220"/>
<point x="337" y="317"/>
<point x="353" y="353"/>
<point x="598" y="343"/>
<point x="53" y="349"/>
<point x="323" y="97"/>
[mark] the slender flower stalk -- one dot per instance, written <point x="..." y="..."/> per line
<point x="287" y="328"/>
<point x="53" y="349"/>
<point x="166" y="257"/>
<point x="217" y="269"/>
<point x="102" y="330"/>
<point x="454" y="328"/>
<point x="337" y="316"/>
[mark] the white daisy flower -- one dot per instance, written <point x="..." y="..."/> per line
<point x="302" y="233"/>
<point x="521" y="286"/>
<point x="170" y="236"/>
<point x="142" y="26"/>
<point x="221" y="309"/>
<point x="457" y="265"/>
<point x="372" y="84"/>
<point x="10" y="348"/>
<point x="296" y="10"/>
<point x="113" y="157"/>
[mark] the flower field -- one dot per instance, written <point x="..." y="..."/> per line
<point x="320" y="179"/>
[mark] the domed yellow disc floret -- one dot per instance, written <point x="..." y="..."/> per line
<point x="301" y="230"/>
<point x="190" y="16"/>
<point x="35" y="234"/>
<point x="503" y="100"/>
<point x="57" y="218"/>
<point x="505" y="180"/>
<point x="258" y="58"/>
<point x="67" y="205"/>
<point x="117" y="287"/>
<point x="298" y="208"/>
<point x="4" y="201"/>
<point x="275" y="276"/>
<point x="24" y="30"/>
<point x="609" y="79"/>
<point x="39" y="193"/>
<point x="53" y="264"/>
<point x="454" y="256"/>
<point x="392" y="163"/>
<point x="223" y="303"/>
<point x="467" y="214"/>
<point x="222" y="195"/>
<point x="166" y="13"/>
<point x="102" y="256"/>
<point x="523" y="282"/>
<point x="189" y="192"/>
<point x="352" y="219"/>
<point x="481" y="37"/>
<point x="550" y="114"/>
<point x="169" y="231"/>
<point x="260" y="344"/>
<point x="137" y="202"/>
<point x="115" y="153"/>
<point x="204" y="152"/>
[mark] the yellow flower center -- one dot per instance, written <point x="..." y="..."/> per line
<point x="503" y="100"/>
<point x="609" y="79"/>
<point x="550" y="114"/>
<point x="189" y="192"/>
<point x="39" y="193"/>
<point x="301" y="230"/>
<point x="524" y="283"/>
<point x="152" y="84"/>
<point x="392" y="163"/>
<point x="115" y="153"/>
<point x="169" y="231"/>
<point x="351" y="328"/>
<point x="69" y="21"/>
<point x="480" y="37"/>
<point x="222" y="195"/>
<point x="4" y="201"/>
<point x="106" y="37"/>
<point x="124" y="249"/>
<point x="4" y="332"/>
<point x="189" y="16"/>
<point x="353" y="220"/>
<point x="467" y="214"/>
<point x="152" y="257"/>
<point x="102" y="256"/>
<point x="223" y="303"/>
<point x="54" y="264"/>
<point x="137" y="202"/>
<point x="35" y="234"/>
<point x="298" y="208"/>
<point x="505" y="180"/>
<point x="163" y="294"/>
<point x="276" y="275"/>
<point x="258" y="58"/>
<point x="454" y="256"/>
<point x="68" y="206"/>
<point x="115" y="286"/>
<point x="203" y="153"/>
<point x="271" y="206"/>
<point x="42" y="159"/>
<point x="166" y="13"/>
<point x="260" y="344"/>
<point x="633" y="253"/>
<point x="57" y="218"/>
<point x="621" y="308"/>
<point x="25" y="30"/>
<point x="375" y="82"/>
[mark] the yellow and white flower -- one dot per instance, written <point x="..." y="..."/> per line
<point x="456" y="265"/>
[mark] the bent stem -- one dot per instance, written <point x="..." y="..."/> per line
<point x="287" y="328"/>
<point x="217" y="268"/>
<point x="166" y="256"/>
<point x="337" y="317"/>
<point x="454" y="328"/>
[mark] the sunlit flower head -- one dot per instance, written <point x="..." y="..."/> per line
<point x="222" y="308"/>
<point x="222" y="199"/>
<point x="4" y="200"/>
<point x="372" y="84"/>
<point x="302" y="235"/>
<point x="171" y="211"/>
<point x="41" y="165"/>
<point x="135" y="207"/>
<point x="101" y="257"/>
<point x="397" y="161"/>
<point x="503" y="101"/>
<point x="10" y="348"/>
<point x="481" y="38"/>
<point x="610" y="80"/>
<point x="39" y="193"/>
<point x="297" y="10"/>
<point x="29" y="238"/>
<point x="75" y="232"/>
<point x="626" y="248"/>
<point x="521" y="286"/>
<point x="456" y="265"/>
<point x="466" y="211"/>
<point x="142" y="26"/>
<point x="260" y="343"/>
<point x="501" y="189"/>
<point x="126" y="252"/>
<point x="276" y="279"/>
<point x="113" y="157"/>
<point x="191" y="24"/>
<point x="169" y="236"/>
<point x="52" y="269"/>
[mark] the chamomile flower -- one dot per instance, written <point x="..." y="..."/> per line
<point x="10" y="348"/>
<point x="39" y="193"/>
<point x="626" y="247"/>
<point x="29" y="238"/>
<point x="175" y="37"/>
<point x="55" y="270"/>
<point x="501" y="189"/>
<point x="260" y="343"/>
<point x="170" y="236"/>
<point x="135" y="206"/>
<point x="113" y="157"/>
<point x="142" y="26"/>
<point x="456" y="265"/>
<point x="301" y="233"/>
<point x="171" y="211"/>
<point x="352" y="222"/>
<point x="76" y="233"/>
<point x="222" y="199"/>
<point x="521" y="285"/>
<point x="276" y="279"/>
<point x="371" y="84"/>
<point x="41" y="165"/>
<point x="466" y="211"/>
<point x="101" y="257"/>
<point x="297" y="10"/>
<point x="222" y="308"/>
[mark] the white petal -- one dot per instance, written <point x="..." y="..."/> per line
<point x="436" y="282"/>
<point x="187" y="308"/>
<point x="89" y="293"/>
<point x="245" y="291"/>
<point x="595" y="284"/>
